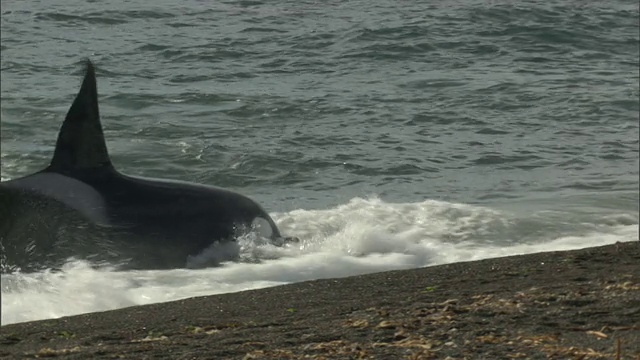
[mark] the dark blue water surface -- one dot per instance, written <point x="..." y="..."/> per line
<point x="307" y="104"/>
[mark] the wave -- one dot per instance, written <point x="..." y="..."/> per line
<point x="358" y="237"/>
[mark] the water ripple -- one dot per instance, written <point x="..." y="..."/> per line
<point x="285" y="98"/>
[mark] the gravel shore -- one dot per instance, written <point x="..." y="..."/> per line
<point x="580" y="304"/>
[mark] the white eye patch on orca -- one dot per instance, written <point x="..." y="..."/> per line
<point x="262" y="227"/>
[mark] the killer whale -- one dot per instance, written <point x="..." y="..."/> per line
<point x="81" y="206"/>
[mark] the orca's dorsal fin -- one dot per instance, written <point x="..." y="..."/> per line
<point x="81" y="143"/>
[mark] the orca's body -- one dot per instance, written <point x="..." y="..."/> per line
<point x="81" y="207"/>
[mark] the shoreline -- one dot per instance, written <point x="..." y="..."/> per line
<point x="552" y="305"/>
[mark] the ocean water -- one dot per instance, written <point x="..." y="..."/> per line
<point x="385" y="135"/>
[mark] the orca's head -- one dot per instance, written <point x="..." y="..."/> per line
<point x="268" y="230"/>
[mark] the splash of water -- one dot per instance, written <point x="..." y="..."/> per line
<point x="361" y="236"/>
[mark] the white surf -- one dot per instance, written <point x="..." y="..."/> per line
<point x="361" y="236"/>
